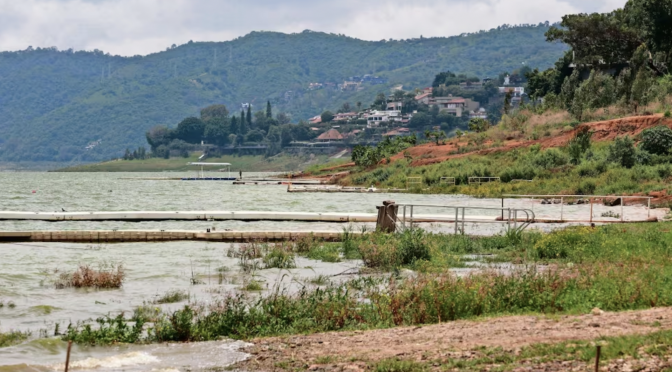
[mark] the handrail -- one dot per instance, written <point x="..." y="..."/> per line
<point x="589" y="197"/>
<point x="460" y="218"/>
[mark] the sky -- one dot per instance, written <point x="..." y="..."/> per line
<point x="140" y="27"/>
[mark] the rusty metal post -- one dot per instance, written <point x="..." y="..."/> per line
<point x="387" y="217"/>
<point x="67" y="356"/>
<point x="597" y="358"/>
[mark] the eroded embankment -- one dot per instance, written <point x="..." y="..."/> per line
<point x="607" y="130"/>
<point x="460" y="339"/>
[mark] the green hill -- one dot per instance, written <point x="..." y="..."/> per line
<point x="54" y="103"/>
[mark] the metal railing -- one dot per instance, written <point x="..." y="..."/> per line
<point x="510" y="216"/>
<point x="447" y="181"/>
<point x="560" y="199"/>
<point x="480" y="180"/>
<point x="413" y="181"/>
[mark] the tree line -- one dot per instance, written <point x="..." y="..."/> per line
<point x="217" y="128"/>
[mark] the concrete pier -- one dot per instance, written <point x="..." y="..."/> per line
<point x="136" y="216"/>
<point x="120" y="236"/>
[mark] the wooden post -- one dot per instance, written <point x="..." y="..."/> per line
<point x="387" y="217"/>
<point x="67" y="356"/>
<point x="597" y="358"/>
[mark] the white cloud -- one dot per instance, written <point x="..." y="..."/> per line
<point x="129" y="27"/>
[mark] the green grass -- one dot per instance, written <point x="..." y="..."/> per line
<point x="13" y="338"/>
<point x="253" y="286"/>
<point x="245" y="163"/>
<point x="615" y="268"/>
<point x="172" y="297"/>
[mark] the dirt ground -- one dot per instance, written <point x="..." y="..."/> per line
<point x="607" y="130"/>
<point x="353" y="351"/>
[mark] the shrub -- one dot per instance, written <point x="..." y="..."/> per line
<point x="306" y="243"/>
<point x="279" y="258"/>
<point x="86" y="277"/>
<point x="586" y="187"/>
<point x="657" y="140"/>
<point x="622" y="151"/>
<point x="559" y="243"/>
<point x="172" y="297"/>
<point x="550" y="158"/>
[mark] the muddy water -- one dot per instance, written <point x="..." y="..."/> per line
<point x="28" y="271"/>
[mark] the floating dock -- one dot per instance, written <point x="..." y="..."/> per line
<point x="121" y="236"/>
<point x="219" y="216"/>
<point x="342" y="189"/>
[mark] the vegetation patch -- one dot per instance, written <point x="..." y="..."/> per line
<point x="13" y="338"/>
<point x="87" y="277"/>
<point x="172" y="297"/>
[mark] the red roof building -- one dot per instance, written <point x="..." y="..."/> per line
<point x="330" y="136"/>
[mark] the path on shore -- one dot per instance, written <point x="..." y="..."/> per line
<point x="352" y="350"/>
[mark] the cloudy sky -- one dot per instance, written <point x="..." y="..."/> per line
<point x="129" y="27"/>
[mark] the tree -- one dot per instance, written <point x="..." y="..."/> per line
<point x="254" y="136"/>
<point x="478" y="125"/>
<point x="579" y="144"/>
<point x="420" y="120"/>
<point x="327" y="116"/>
<point x="233" y="126"/>
<point x="437" y="136"/>
<point x="243" y="126"/>
<point x="344" y="108"/>
<point x="622" y="151"/>
<point x="248" y="117"/>
<point x="657" y="140"/>
<point x="507" y="102"/>
<point x="597" y="38"/>
<point x="215" y="133"/>
<point x="214" y="112"/>
<point x="157" y="136"/>
<point x="269" y="111"/>
<point x="283" y="118"/>
<point x="652" y="19"/>
<point x="380" y="103"/>
<point x="359" y="106"/>
<point x="190" y="130"/>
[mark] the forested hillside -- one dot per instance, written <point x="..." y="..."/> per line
<point x="54" y="104"/>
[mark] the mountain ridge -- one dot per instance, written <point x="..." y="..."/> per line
<point x="55" y="103"/>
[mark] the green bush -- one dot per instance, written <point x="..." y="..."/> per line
<point x="279" y="258"/>
<point x="657" y="140"/>
<point x="586" y="187"/>
<point x="551" y="158"/>
<point x="622" y="151"/>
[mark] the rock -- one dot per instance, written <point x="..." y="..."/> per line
<point x="611" y="202"/>
<point x="596" y="311"/>
<point x="594" y="325"/>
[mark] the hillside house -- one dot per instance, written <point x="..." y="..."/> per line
<point x="332" y="135"/>
<point x="423" y="98"/>
<point x="345" y="116"/>
<point x="315" y="119"/>
<point x="454" y="105"/>
<point x="394" y="106"/>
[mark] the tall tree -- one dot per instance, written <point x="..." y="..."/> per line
<point x="269" y="111"/>
<point x="243" y="127"/>
<point x="249" y="116"/>
<point x="234" y="127"/>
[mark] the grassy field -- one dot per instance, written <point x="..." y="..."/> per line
<point x="571" y="271"/>
<point x="280" y="163"/>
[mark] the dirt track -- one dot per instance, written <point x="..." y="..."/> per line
<point x="353" y="350"/>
